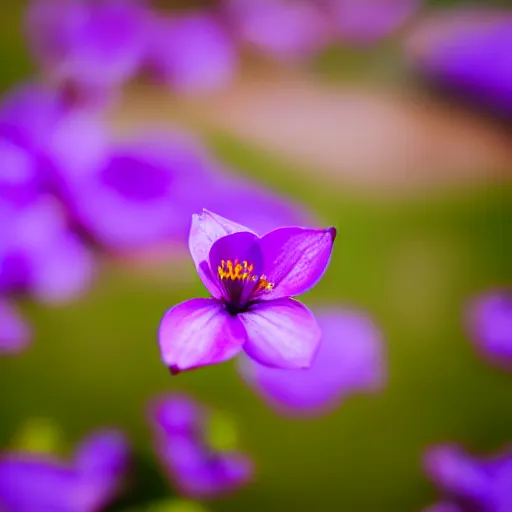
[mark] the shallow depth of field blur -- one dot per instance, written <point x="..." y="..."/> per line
<point x="415" y="177"/>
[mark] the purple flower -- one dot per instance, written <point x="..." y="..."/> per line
<point x="250" y="279"/>
<point x="482" y="485"/>
<point x="192" y="52"/>
<point x="39" y="254"/>
<point x="141" y="192"/>
<point x="285" y="29"/>
<point x="468" y="51"/>
<point x="15" y="334"/>
<point x="89" y="47"/>
<point x="490" y="325"/>
<point x="349" y="360"/>
<point x="197" y="470"/>
<point x="40" y="483"/>
<point x="364" y="22"/>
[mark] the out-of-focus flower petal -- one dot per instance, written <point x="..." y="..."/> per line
<point x="89" y="44"/>
<point x="177" y="415"/>
<point x="29" y="113"/>
<point x="192" y="52"/>
<point x="281" y="334"/>
<point x="350" y="359"/>
<point x="365" y="22"/>
<point x="197" y="333"/>
<point x="15" y="334"/>
<point x="457" y="473"/>
<point x="197" y="470"/>
<point x="490" y="325"/>
<point x="201" y="475"/>
<point x="40" y="255"/>
<point x="468" y="51"/>
<point x="295" y="259"/>
<point x="284" y="29"/>
<point x="104" y="455"/>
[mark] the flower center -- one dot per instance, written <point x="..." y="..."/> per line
<point x="243" y="271"/>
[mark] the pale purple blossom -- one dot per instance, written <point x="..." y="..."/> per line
<point x="39" y="254"/>
<point x="489" y="321"/>
<point x="88" y="48"/>
<point x="251" y="280"/>
<point x="469" y="482"/>
<point x="197" y="470"/>
<point x="366" y="22"/>
<point x="15" y="333"/>
<point x="192" y="52"/>
<point x="350" y="360"/>
<point x="284" y="29"/>
<point x="31" y="482"/>
<point x="467" y="51"/>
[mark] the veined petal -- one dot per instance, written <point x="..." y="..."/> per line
<point x="295" y="259"/>
<point x="206" y="229"/>
<point x="199" y="332"/>
<point x="281" y="333"/>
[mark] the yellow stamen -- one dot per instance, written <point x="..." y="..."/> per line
<point x="236" y="271"/>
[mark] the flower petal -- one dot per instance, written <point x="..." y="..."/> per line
<point x="176" y="414"/>
<point x="457" y="473"/>
<point x="349" y="360"/>
<point x="206" y="229"/>
<point x="240" y="256"/>
<point x="295" y="259"/>
<point x="281" y="333"/>
<point x="199" y="332"/>
<point x="15" y="334"/>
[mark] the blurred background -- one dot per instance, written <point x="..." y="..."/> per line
<point x="387" y="119"/>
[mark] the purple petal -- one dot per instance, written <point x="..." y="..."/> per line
<point x="177" y="415"/>
<point x="201" y="474"/>
<point x="281" y="28"/>
<point x="368" y="21"/>
<point x="468" y="50"/>
<point x="238" y="257"/>
<point x="281" y="333"/>
<point x="42" y="256"/>
<point x="192" y="53"/>
<point x="29" y="113"/>
<point x="35" y="484"/>
<point x="206" y="229"/>
<point x="457" y="473"/>
<point x="350" y="359"/>
<point x="199" y="332"/>
<point x="15" y="334"/>
<point x="295" y="259"/>
<point x="104" y="455"/>
<point x="490" y="323"/>
<point x="90" y="44"/>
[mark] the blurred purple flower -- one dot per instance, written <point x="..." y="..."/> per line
<point x="250" y="280"/>
<point x="192" y="52"/>
<point x="366" y="22"/>
<point x="482" y="485"/>
<point x="141" y="192"/>
<point x="88" y="47"/>
<point x="15" y="334"/>
<point x="468" y="51"/>
<point x="39" y="483"/>
<point x="198" y="471"/>
<point x="443" y="507"/>
<point x="490" y="325"/>
<point x="350" y="360"/>
<point x="284" y="29"/>
<point x="39" y="254"/>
